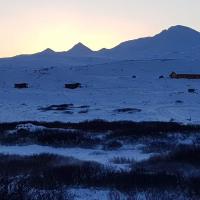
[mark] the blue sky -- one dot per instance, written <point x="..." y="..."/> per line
<point x="29" y="26"/>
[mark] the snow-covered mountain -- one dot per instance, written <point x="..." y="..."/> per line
<point x="177" y="42"/>
<point x="49" y="58"/>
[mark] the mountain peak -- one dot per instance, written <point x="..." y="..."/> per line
<point x="178" y="36"/>
<point x="48" y="51"/>
<point x="79" y="50"/>
<point x="80" y="45"/>
<point x="179" y="29"/>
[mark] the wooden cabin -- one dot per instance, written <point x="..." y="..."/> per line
<point x="174" y="75"/>
<point x="21" y="85"/>
<point x="73" y="86"/>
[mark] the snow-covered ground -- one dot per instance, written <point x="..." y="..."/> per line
<point x="95" y="194"/>
<point x="103" y="194"/>
<point x="104" y="157"/>
<point x="106" y="87"/>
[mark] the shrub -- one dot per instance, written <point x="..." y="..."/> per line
<point x="191" y="90"/>
<point x="113" y="145"/>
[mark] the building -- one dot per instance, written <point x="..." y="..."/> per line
<point x="174" y="75"/>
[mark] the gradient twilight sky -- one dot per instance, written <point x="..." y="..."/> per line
<point x="29" y="26"/>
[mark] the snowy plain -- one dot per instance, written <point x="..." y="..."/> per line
<point x="105" y="88"/>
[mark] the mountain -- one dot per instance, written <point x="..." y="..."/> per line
<point x="78" y="55"/>
<point x="170" y="43"/>
<point x="79" y="50"/>
<point x="177" y="42"/>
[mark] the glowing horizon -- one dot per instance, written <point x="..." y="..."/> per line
<point x="30" y="26"/>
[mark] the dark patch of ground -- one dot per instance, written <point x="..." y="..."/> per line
<point x="127" y="110"/>
<point x="61" y="107"/>
<point x="65" y="108"/>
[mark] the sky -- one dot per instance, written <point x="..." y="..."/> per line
<point x="29" y="26"/>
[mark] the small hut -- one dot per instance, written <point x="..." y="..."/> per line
<point x="72" y="86"/>
<point x="21" y="85"/>
<point x="174" y="75"/>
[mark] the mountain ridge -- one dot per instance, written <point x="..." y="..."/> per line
<point x="173" y="42"/>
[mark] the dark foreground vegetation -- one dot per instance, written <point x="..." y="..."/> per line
<point x="57" y="138"/>
<point x="143" y="128"/>
<point x="85" y="134"/>
<point x="51" y="173"/>
<point x="174" y="170"/>
<point x="48" y="171"/>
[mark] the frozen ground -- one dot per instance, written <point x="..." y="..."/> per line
<point x="104" y="157"/>
<point x="95" y="194"/>
<point x="106" y="88"/>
